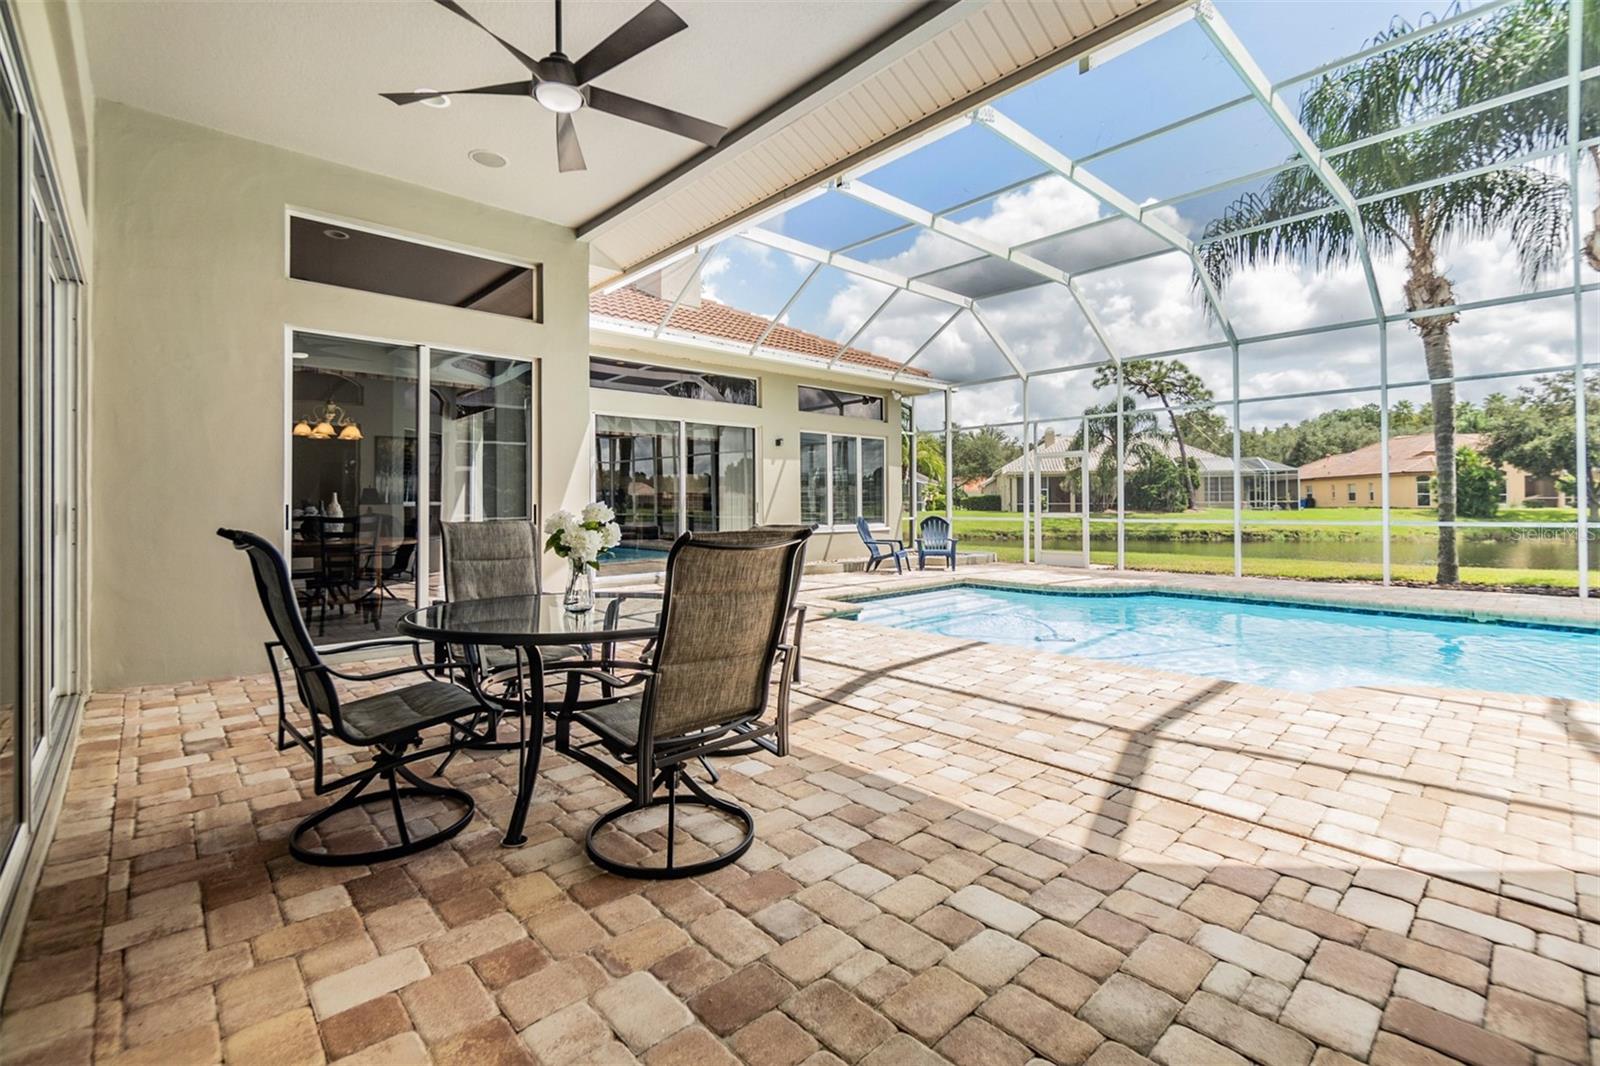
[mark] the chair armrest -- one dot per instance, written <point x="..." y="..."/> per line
<point x="427" y="668"/>
<point x="357" y="645"/>
<point x="899" y="545"/>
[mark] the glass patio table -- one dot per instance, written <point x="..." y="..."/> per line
<point x="524" y="625"/>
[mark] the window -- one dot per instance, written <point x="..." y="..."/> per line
<point x="1350" y="492"/>
<point x="1424" y="491"/>
<point x="664" y="476"/>
<point x="620" y="376"/>
<point x="339" y="254"/>
<point x="845" y="404"/>
<point x="1370" y="496"/>
<point x="841" y="477"/>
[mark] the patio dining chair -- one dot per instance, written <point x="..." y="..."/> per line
<point x="935" y="542"/>
<point x="796" y="628"/>
<point x="389" y="723"/>
<point x="498" y="557"/>
<point x="706" y="688"/>
<point x="881" y="548"/>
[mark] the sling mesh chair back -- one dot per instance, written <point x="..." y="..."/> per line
<point x="490" y="558"/>
<point x="706" y="688"/>
<point x="775" y="535"/>
<point x="389" y="723"/>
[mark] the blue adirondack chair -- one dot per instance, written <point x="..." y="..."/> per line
<point x="934" y="540"/>
<point x="881" y="548"/>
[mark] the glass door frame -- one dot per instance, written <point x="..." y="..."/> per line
<point x="49" y="278"/>
<point x="682" y="423"/>
<point x="423" y="594"/>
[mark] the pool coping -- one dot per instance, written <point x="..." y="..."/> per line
<point x="849" y="604"/>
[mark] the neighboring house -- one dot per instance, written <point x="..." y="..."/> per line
<point x="1266" y="484"/>
<point x="722" y="419"/>
<point x="1355" y="479"/>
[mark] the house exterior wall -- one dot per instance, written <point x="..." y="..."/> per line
<point x="190" y="327"/>
<point x="778" y="422"/>
<point x="1335" y="491"/>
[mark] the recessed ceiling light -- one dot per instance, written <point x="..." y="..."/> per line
<point x="435" y="101"/>
<point x="485" y="158"/>
<point x="302" y="355"/>
<point x="336" y="234"/>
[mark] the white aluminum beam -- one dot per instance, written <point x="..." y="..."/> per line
<point x="859" y="330"/>
<point x="777" y="318"/>
<point x="959" y="232"/>
<point x="999" y="342"/>
<point x="688" y="283"/>
<point x="924" y="346"/>
<point x="815" y="254"/>
<point x="1057" y="161"/>
<point x="1244" y="65"/>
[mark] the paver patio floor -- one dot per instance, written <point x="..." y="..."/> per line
<point x="976" y="854"/>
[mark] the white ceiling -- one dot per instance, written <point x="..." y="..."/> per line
<point x="306" y="76"/>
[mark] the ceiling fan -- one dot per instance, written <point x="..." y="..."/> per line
<point x="562" y="86"/>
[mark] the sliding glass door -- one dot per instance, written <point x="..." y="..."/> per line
<point x="367" y="490"/>
<point x="13" y="601"/>
<point x="481" y="424"/>
<point x="354" y="483"/>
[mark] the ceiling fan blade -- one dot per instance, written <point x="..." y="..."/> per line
<point x="522" y="57"/>
<point x="645" y="30"/>
<point x="510" y="88"/>
<point x="569" y="155"/>
<point x="707" y="133"/>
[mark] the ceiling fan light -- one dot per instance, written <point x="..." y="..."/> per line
<point x="557" y="96"/>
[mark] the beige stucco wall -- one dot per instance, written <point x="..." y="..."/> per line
<point x="1335" y="491"/>
<point x="189" y="419"/>
<point x="778" y="418"/>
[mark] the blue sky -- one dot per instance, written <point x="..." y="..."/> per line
<point x="1148" y="305"/>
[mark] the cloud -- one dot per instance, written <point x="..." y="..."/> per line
<point x="1150" y="305"/>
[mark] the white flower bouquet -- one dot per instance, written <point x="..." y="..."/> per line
<point x="580" y="539"/>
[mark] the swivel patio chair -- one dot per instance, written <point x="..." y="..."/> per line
<point x="935" y="542"/>
<point x="390" y="723"/>
<point x="796" y="629"/>
<point x="499" y="557"/>
<point x="706" y="689"/>
<point x="881" y="548"/>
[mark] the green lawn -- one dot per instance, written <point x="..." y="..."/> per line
<point x="1317" y="544"/>
<point x="1325" y="523"/>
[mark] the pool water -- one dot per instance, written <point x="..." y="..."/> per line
<point x="628" y="554"/>
<point x="1281" y="645"/>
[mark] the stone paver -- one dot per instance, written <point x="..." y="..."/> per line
<point x="975" y="854"/>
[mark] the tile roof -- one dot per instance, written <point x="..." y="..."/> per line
<point x="1411" y="454"/>
<point x="717" y="320"/>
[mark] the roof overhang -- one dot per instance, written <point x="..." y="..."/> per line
<point x="623" y="337"/>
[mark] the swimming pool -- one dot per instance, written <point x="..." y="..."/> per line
<point x="1281" y="645"/>
<point x="629" y="554"/>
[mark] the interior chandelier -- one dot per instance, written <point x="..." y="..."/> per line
<point x="327" y="424"/>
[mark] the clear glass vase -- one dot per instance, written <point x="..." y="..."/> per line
<point x="579" y="596"/>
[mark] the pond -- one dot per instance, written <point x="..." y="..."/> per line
<point x="1511" y="550"/>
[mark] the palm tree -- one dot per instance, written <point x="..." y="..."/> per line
<point x="1294" y="218"/>
<point x="1176" y="386"/>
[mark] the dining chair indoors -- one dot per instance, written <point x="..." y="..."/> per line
<point x="706" y="687"/>
<point x="389" y="723"/>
